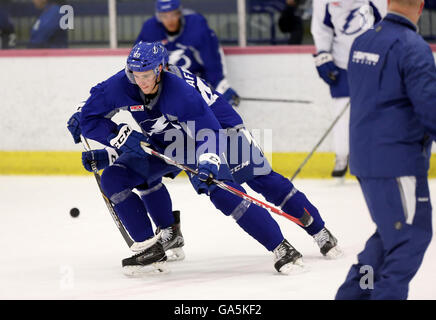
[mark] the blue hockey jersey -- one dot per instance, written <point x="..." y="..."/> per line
<point x="392" y="78"/>
<point x="223" y="111"/>
<point x="46" y="32"/>
<point x="177" y="105"/>
<point x="195" y="47"/>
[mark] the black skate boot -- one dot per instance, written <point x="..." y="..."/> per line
<point x="172" y="240"/>
<point x="341" y="167"/>
<point x="151" y="260"/>
<point x="287" y="259"/>
<point x="328" y="244"/>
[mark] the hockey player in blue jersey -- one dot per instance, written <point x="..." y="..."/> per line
<point x="257" y="173"/>
<point x="290" y="198"/>
<point x="191" y="44"/>
<point x="273" y="186"/>
<point x="161" y="102"/>
<point x="47" y="32"/>
<point x="392" y="78"/>
<point x="334" y="26"/>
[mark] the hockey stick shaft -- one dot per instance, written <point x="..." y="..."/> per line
<point x="109" y="205"/>
<point x="274" y="100"/>
<point x="321" y="140"/>
<point x="224" y="186"/>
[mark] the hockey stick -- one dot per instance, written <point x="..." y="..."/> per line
<point x="274" y="100"/>
<point x="109" y="205"/>
<point x="320" y="141"/>
<point x="302" y="222"/>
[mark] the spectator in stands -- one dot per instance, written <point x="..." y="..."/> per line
<point x="47" y="31"/>
<point x="290" y="21"/>
<point x="7" y="31"/>
<point x="430" y="4"/>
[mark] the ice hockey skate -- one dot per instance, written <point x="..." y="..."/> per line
<point x="328" y="244"/>
<point x="287" y="259"/>
<point x="150" y="261"/>
<point x="341" y="167"/>
<point x="172" y="240"/>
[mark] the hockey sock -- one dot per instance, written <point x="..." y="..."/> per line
<point x="117" y="182"/>
<point x="299" y="205"/>
<point x="282" y="193"/>
<point x="157" y="200"/>
<point x="256" y="221"/>
<point x="134" y="217"/>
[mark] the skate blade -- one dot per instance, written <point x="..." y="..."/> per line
<point x="334" y="253"/>
<point x="176" y="254"/>
<point x="152" y="269"/>
<point x="294" y="268"/>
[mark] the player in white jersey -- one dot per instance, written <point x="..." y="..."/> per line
<point x="334" y="26"/>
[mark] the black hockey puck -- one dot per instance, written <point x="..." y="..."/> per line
<point x="74" y="212"/>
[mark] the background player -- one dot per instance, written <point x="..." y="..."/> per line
<point x="191" y="44"/>
<point x="46" y="32"/>
<point x="334" y="26"/>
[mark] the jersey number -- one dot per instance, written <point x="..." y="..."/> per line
<point x="206" y="92"/>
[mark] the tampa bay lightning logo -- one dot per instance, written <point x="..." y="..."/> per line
<point x="158" y="125"/>
<point x="358" y="19"/>
<point x="179" y="58"/>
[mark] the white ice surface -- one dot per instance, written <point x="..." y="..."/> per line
<point x="46" y="254"/>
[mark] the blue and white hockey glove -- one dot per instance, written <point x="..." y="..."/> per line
<point x="73" y="126"/>
<point x="102" y="158"/>
<point x="327" y="70"/>
<point x="208" y="166"/>
<point x="128" y="140"/>
<point x="231" y="97"/>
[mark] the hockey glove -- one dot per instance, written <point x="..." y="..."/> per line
<point x="128" y="140"/>
<point x="208" y="165"/>
<point x="102" y="158"/>
<point x="231" y="97"/>
<point x="73" y="126"/>
<point x="327" y="70"/>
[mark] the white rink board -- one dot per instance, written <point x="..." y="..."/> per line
<point x="39" y="94"/>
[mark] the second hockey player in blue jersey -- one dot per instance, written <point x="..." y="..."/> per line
<point x="47" y="31"/>
<point x="191" y="44"/>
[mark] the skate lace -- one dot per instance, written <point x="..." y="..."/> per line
<point x="167" y="234"/>
<point x="322" y="237"/>
<point x="280" y="252"/>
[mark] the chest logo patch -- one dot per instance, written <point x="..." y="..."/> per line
<point x="137" y="108"/>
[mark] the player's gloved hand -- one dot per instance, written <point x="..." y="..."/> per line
<point x="208" y="166"/>
<point x="327" y="70"/>
<point x="128" y="140"/>
<point x="232" y="97"/>
<point x="102" y="158"/>
<point x="73" y="126"/>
